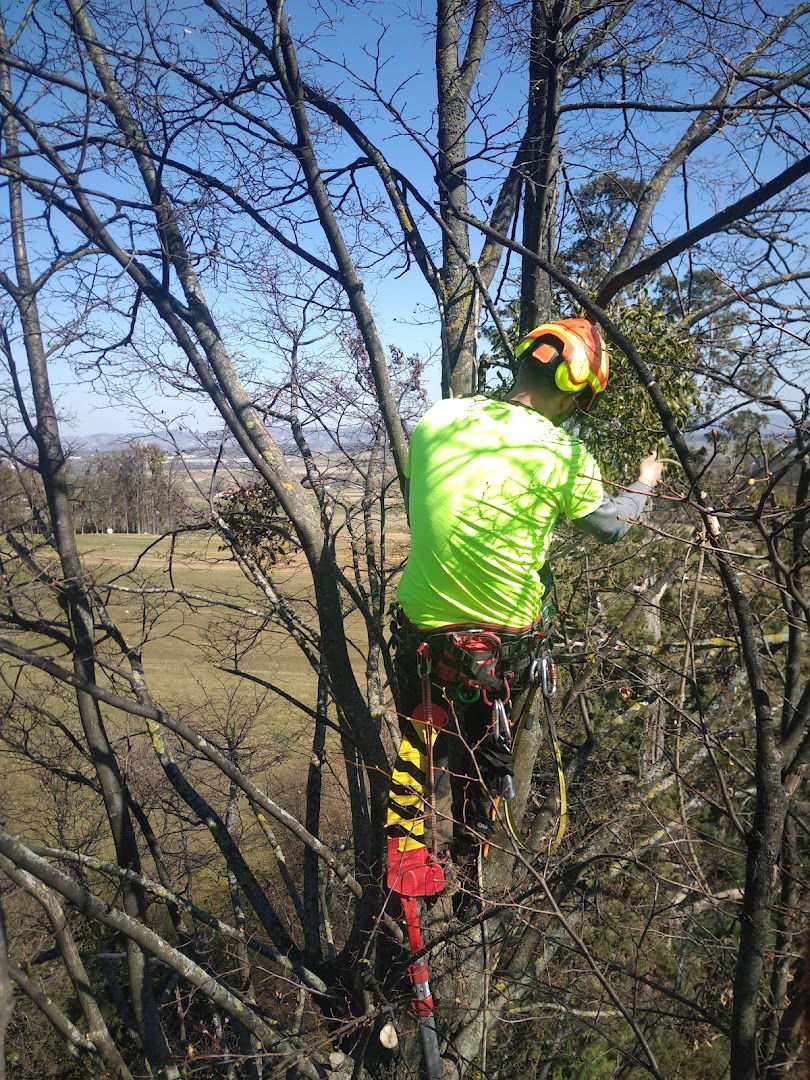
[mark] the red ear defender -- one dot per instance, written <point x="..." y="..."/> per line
<point x="585" y="361"/>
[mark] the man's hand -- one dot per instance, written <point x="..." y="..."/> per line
<point x="650" y="470"/>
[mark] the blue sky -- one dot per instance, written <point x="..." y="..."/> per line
<point x="351" y="39"/>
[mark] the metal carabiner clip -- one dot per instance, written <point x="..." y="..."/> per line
<point x="536" y="671"/>
<point x="501" y="722"/>
<point x="549" y="676"/>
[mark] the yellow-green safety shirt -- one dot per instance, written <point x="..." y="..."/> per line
<point x="488" y="480"/>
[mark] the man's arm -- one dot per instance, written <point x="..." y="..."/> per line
<point x="609" y="521"/>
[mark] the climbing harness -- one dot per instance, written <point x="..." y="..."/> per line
<point x="470" y="663"/>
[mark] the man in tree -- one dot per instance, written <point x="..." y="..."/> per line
<point x="488" y="480"/>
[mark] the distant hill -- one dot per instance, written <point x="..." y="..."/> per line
<point x="203" y="443"/>
<point x="104" y="441"/>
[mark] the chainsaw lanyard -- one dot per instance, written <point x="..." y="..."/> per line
<point x="424" y="667"/>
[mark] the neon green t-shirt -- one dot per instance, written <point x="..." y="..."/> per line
<point x="488" y="480"/>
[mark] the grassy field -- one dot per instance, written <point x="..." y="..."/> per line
<point x="176" y="605"/>
<point x="180" y="607"/>
<point x="183" y="617"/>
<point x="191" y="613"/>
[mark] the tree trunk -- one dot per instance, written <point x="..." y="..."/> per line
<point x="6" y="993"/>
<point x="542" y="159"/>
<point x="461" y="301"/>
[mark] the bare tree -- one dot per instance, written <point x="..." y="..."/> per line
<point x="160" y="180"/>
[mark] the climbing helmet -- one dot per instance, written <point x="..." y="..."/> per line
<point x="584" y="361"/>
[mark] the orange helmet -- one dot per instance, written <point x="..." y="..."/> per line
<point x="585" y="360"/>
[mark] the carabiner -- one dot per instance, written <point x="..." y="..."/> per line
<point x="501" y="721"/>
<point x="549" y="676"/>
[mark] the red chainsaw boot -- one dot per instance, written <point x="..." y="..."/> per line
<point x="410" y="873"/>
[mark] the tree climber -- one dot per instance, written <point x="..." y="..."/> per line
<point x="487" y="480"/>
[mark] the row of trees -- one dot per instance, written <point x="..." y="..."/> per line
<point x="190" y="192"/>
<point x="133" y="490"/>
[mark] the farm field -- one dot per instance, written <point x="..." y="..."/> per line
<point x="186" y="612"/>
<point x="191" y="613"/>
<point x="187" y="608"/>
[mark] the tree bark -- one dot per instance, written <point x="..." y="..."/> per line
<point x="542" y="158"/>
<point x="6" y="992"/>
<point x="74" y="599"/>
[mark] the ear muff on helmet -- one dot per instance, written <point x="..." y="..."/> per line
<point x="572" y="374"/>
<point x="584" y="360"/>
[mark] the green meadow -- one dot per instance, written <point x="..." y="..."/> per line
<point x="188" y="609"/>
<point x="178" y="604"/>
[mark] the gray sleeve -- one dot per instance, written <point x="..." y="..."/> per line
<point x="605" y="522"/>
